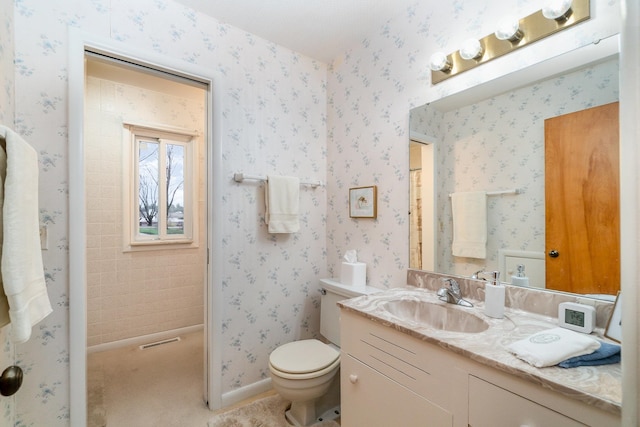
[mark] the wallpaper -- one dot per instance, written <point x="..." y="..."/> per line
<point x="274" y="122"/>
<point x="372" y="88"/>
<point x="345" y="123"/>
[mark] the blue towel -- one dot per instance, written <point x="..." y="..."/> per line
<point x="607" y="354"/>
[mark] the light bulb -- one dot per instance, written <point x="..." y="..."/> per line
<point x="509" y="29"/>
<point x="471" y="49"/>
<point x="440" y="62"/>
<point x="557" y="9"/>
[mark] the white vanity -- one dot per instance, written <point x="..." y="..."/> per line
<point x="397" y="371"/>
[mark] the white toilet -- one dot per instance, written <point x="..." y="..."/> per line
<point x="306" y="372"/>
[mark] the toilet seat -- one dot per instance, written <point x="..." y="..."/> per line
<point x="303" y="359"/>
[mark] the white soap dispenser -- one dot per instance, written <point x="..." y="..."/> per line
<point x="520" y="278"/>
<point x="494" y="294"/>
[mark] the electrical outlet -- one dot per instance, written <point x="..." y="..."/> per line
<point x="44" y="238"/>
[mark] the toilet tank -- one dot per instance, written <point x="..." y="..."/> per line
<point x="335" y="291"/>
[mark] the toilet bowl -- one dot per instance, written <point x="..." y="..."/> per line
<point x="302" y="372"/>
<point x="306" y="372"/>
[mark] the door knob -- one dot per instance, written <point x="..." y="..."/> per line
<point x="10" y="380"/>
<point x="554" y="254"/>
<point x="353" y="378"/>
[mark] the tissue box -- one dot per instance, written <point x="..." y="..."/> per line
<point x="354" y="274"/>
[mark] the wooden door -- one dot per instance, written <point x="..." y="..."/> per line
<point x="582" y="199"/>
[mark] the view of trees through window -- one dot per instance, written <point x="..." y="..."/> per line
<point x="161" y="178"/>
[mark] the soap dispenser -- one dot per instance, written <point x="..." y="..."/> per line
<point x="494" y="295"/>
<point x="520" y="278"/>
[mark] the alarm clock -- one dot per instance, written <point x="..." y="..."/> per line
<point x="577" y="317"/>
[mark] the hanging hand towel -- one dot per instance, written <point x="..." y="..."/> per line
<point x="469" y="224"/>
<point x="552" y="346"/>
<point x="21" y="264"/>
<point x="282" y="199"/>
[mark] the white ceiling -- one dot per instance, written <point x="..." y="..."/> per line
<point x="320" y="29"/>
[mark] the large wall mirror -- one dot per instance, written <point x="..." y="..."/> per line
<point x="545" y="148"/>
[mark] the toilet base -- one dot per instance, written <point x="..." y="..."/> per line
<point x="328" y="415"/>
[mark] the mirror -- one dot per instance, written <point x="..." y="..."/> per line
<point x="496" y="143"/>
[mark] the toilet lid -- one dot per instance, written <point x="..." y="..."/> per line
<point x="301" y="357"/>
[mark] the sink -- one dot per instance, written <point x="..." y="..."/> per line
<point x="434" y="315"/>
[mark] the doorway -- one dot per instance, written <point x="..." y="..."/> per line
<point x="145" y="195"/>
<point x="209" y="243"/>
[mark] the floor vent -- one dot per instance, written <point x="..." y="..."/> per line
<point x="157" y="343"/>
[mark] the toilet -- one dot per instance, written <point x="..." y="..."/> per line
<point x="306" y="372"/>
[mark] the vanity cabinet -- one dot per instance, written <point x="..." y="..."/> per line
<point x="390" y="378"/>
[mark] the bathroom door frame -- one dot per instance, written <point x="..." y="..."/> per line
<point x="79" y="43"/>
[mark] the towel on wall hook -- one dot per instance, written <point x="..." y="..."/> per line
<point x="21" y="266"/>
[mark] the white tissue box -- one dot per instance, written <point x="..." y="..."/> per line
<point x="354" y="274"/>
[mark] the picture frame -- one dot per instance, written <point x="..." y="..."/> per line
<point x="363" y="202"/>
<point x="614" y="325"/>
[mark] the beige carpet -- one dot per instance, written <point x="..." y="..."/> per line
<point x="267" y="412"/>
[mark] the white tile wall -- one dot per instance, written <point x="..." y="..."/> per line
<point x="130" y="294"/>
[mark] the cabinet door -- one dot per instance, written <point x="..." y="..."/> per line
<point x="492" y="406"/>
<point x="373" y="400"/>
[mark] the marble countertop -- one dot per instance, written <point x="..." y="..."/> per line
<point x="599" y="386"/>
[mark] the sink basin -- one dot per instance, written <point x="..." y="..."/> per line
<point x="437" y="316"/>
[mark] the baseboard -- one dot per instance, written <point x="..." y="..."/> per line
<point x="238" y="395"/>
<point x="144" y="339"/>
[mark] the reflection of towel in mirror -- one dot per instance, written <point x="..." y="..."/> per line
<point x="607" y="354"/>
<point x="22" y="270"/>
<point x="469" y="224"/>
<point x="552" y="346"/>
<point x="282" y="199"/>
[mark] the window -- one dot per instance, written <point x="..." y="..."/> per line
<point x="161" y="187"/>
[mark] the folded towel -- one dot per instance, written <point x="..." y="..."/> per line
<point x="552" y="346"/>
<point x="607" y="354"/>
<point x="282" y="198"/>
<point x="469" y="224"/>
<point x="21" y="262"/>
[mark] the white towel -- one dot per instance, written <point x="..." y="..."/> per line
<point x="552" y="346"/>
<point x="282" y="199"/>
<point x="469" y="224"/>
<point x="21" y="265"/>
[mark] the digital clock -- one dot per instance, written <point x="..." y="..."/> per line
<point x="577" y="317"/>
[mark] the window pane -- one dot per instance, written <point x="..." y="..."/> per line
<point x="175" y="188"/>
<point x="148" y="188"/>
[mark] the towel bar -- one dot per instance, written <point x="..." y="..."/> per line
<point x="239" y="177"/>
<point x="501" y="192"/>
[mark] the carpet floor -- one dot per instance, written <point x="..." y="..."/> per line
<point x="266" y="412"/>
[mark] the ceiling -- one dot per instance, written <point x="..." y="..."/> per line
<point x="321" y="30"/>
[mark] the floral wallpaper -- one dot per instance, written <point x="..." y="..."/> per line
<point x="345" y="123"/>
<point x="274" y="121"/>
<point x="372" y="88"/>
<point x="498" y="144"/>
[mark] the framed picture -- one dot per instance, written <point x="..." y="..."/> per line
<point x="614" y="325"/>
<point x="363" y="202"/>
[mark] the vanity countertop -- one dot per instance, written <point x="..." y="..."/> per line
<point x="599" y="386"/>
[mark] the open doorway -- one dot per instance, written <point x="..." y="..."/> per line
<point x="145" y="177"/>
<point x="170" y="223"/>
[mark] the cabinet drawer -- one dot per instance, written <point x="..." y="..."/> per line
<point x="492" y="406"/>
<point x="370" y="399"/>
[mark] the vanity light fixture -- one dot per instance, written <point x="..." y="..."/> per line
<point x="440" y="62"/>
<point x="471" y="49"/>
<point x="509" y="29"/>
<point x="511" y="34"/>
<point x="560" y="10"/>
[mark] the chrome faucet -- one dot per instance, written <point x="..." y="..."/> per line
<point x="452" y="293"/>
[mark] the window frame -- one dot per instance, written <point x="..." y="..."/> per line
<point x="133" y="239"/>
